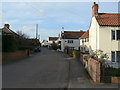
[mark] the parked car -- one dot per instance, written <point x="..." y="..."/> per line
<point x="37" y="49"/>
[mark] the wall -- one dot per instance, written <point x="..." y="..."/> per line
<point x="105" y="38"/>
<point x="94" y="69"/>
<point x="84" y="45"/>
<point x="94" y="35"/>
<point x="14" y="56"/>
<point x="76" y="43"/>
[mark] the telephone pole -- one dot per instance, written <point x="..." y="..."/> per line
<point x="36" y="31"/>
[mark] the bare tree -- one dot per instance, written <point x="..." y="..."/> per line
<point x="23" y="35"/>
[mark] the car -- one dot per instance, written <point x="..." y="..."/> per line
<point x="37" y="49"/>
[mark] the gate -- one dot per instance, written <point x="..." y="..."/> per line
<point x="104" y="77"/>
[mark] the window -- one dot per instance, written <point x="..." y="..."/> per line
<point x="72" y="48"/>
<point x="70" y="41"/>
<point x="116" y="56"/>
<point x="113" y="56"/>
<point x="118" y="34"/>
<point x="115" y="34"/>
<point x="82" y="40"/>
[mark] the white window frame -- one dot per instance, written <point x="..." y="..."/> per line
<point x="115" y="56"/>
<point x="70" y="41"/>
<point x="115" y="34"/>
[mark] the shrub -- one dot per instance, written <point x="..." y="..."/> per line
<point x="76" y="54"/>
<point x="66" y="47"/>
<point x="112" y="71"/>
<point x="70" y="52"/>
<point x="9" y="44"/>
<point x="54" y="46"/>
<point x="86" y="57"/>
<point x="100" y="56"/>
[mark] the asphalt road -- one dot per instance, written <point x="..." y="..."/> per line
<point x="48" y="69"/>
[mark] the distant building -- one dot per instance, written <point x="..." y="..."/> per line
<point x="84" y="42"/>
<point x="104" y="34"/>
<point x="7" y="31"/>
<point x="45" y="42"/>
<point x="70" y="39"/>
<point x="52" y="40"/>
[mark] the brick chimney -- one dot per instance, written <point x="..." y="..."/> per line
<point x="7" y="26"/>
<point x="95" y="9"/>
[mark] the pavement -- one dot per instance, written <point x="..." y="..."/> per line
<point x="79" y="78"/>
<point x="48" y="69"/>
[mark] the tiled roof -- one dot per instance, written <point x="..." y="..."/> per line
<point x="108" y="19"/>
<point x="72" y="34"/>
<point x="86" y="34"/>
<point x="53" y="38"/>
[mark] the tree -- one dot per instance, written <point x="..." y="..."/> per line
<point x="22" y="35"/>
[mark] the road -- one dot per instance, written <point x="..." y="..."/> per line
<point x="47" y="69"/>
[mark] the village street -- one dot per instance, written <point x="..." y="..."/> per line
<point x="48" y="69"/>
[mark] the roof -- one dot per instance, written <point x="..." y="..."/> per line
<point x="53" y="38"/>
<point x="108" y="19"/>
<point x="72" y="34"/>
<point x="86" y="34"/>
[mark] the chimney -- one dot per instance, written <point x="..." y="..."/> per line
<point x="95" y="9"/>
<point x="7" y="26"/>
<point x="62" y="29"/>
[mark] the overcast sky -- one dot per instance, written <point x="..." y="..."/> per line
<point x="50" y="16"/>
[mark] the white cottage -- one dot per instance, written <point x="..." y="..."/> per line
<point x="52" y="40"/>
<point x="70" y="39"/>
<point x="84" y="42"/>
<point x="104" y="34"/>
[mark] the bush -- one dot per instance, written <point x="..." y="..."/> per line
<point x="86" y="57"/>
<point x="9" y="44"/>
<point x="66" y="47"/>
<point x="76" y="54"/>
<point x="70" y="52"/>
<point x="44" y="45"/>
<point x="112" y="71"/>
<point x="54" y="46"/>
<point x="86" y="52"/>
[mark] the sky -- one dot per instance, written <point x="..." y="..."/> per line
<point x="50" y="16"/>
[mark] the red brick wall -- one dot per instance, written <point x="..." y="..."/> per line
<point x="93" y="68"/>
<point x="14" y="55"/>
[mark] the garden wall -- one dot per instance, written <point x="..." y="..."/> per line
<point x="82" y="59"/>
<point x="93" y="68"/>
<point x="11" y="56"/>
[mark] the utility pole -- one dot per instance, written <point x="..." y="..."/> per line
<point x="36" y="31"/>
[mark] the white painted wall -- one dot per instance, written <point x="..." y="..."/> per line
<point x="75" y="44"/>
<point x="94" y="35"/>
<point x="106" y="43"/>
<point x="84" y="45"/>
